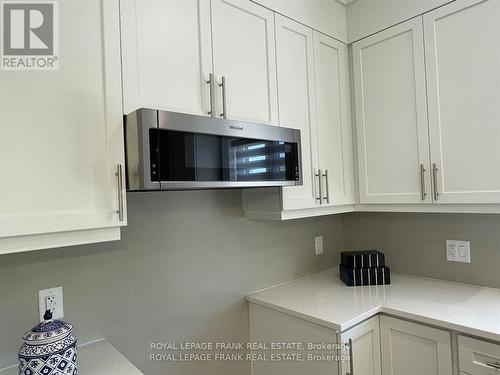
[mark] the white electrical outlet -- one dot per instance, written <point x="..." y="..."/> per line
<point x="458" y="251"/>
<point x="51" y="299"/>
<point x="318" y="245"/>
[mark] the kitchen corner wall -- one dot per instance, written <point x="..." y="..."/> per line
<point x="415" y="243"/>
<point x="179" y="273"/>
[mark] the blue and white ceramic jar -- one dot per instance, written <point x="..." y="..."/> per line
<point x="49" y="349"/>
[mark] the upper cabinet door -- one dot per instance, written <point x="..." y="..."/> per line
<point x="62" y="133"/>
<point x="335" y="136"/>
<point x="462" y="43"/>
<point x="391" y="116"/>
<point x="166" y="55"/>
<point x="295" y="50"/>
<point x="244" y="54"/>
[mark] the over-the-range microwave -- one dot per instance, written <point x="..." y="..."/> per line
<point x="176" y="151"/>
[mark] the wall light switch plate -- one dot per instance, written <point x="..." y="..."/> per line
<point x="51" y="299"/>
<point x="318" y="245"/>
<point x="458" y="251"/>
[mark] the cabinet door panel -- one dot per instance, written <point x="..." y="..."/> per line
<point x="462" y="52"/>
<point x="166" y="55"/>
<point x="244" y="53"/>
<point x="335" y="138"/>
<point x="271" y="326"/>
<point x="59" y="158"/>
<point x="365" y="348"/>
<point x="414" y="349"/>
<point x="391" y="115"/>
<point x="297" y="103"/>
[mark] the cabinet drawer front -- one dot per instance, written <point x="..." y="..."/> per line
<point x="478" y="357"/>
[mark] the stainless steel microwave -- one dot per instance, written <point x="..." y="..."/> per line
<point x="176" y="151"/>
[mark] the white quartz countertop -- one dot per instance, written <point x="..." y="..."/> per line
<point x="324" y="299"/>
<point x="96" y="358"/>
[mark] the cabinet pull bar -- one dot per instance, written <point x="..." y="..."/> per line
<point x="422" y="182"/>
<point x="327" y="198"/>
<point x="119" y="175"/>
<point x="351" y="359"/>
<point x="435" y="182"/>
<point x="224" y="97"/>
<point x="211" y="83"/>
<point x="320" y="197"/>
<point x="493" y="364"/>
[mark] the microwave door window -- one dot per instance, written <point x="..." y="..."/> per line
<point x="190" y="157"/>
<point x="260" y="160"/>
<point x="207" y="158"/>
<point x="187" y="156"/>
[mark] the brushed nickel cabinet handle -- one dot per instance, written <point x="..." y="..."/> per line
<point x="119" y="175"/>
<point x="435" y="181"/>
<point x="327" y="198"/>
<point x="211" y="83"/>
<point x="224" y="98"/>
<point x="320" y="197"/>
<point x="351" y="359"/>
<point x="495" y="365"/>
<point x="422" y="182"/>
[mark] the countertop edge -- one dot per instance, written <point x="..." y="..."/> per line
<point x="380" y="309"/>
<point x="295" y="313"/>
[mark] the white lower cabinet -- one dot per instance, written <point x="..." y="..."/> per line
<point x="381" y="345"/>
<point x="61" y="140"/>
<point x="365" y="341"/>
<point x="477" y="357"/>
<point x="270" y="326"/>
<point x="414" y="349"/>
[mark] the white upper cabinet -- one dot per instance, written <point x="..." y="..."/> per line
<point x="167" y="55"/>
<point x="365" y="340"/>
<point x="297" y="106"/>
<point x="244" y="54"/>
<point x="414" y="349"/>
<point x="313" y="88"/>
<point x="62" y="138"/>
<point x="391" y="116"/>
<point x="334" y="127"/>
<point x="462" y="43"/>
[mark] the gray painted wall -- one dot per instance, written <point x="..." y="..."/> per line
<point x="179" y="274"/>
<point x="415" y="243"/>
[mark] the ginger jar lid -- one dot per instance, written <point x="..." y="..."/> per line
<point x="53" y="335"/>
